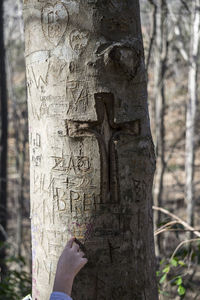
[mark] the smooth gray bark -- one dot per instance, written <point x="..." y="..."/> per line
<point x="91" y="151"/>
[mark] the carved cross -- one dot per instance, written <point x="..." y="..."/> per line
<point x="107" y="133"/>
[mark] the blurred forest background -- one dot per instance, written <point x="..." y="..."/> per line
<point x="171" y="31"/>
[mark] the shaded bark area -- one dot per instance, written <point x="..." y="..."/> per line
<point x="91" y="151"/>
<point x="3" y="144"/>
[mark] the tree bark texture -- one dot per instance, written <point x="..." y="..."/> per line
<point x="191" y="111"/>
<point x="91" y="152"/>
<point x="3" y="143"/>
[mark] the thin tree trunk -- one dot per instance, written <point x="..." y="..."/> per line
<point x="19" y="167"/>
<point x="20" y="140"/>
<point x="17" y="130"/>
<point x="91" y="152"/>
<point x="161" y="52"/>
<point x="3" y="143"/>
<point x="20" y="17"/>
<point x="191" y="111"/>
<point x="153" y="33"/>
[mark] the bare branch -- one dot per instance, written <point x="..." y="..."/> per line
<point x="185" y="5"/>
<point x="181" y="244"/>
<point x="152" y="2"/>
<point x="185" y="224"/>
<point x="153" y="34"/>
<point x="165" y="227"/>
<point x="3" y="232"/>
<point x="180" y="44"/>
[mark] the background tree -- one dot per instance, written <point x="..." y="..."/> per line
<point x="189" y="52"/>
<point x="161" y="55"/>
<point x="191" y="110"/>
<point x="3" y="145"/>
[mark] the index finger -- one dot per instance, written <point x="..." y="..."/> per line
<point x="70" y="242"/>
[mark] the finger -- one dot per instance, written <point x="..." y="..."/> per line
<point x="81" y="253"/>
<point x="75" y="247"/>
<point x="70" y="242"/>
<point x="84" y="261"/>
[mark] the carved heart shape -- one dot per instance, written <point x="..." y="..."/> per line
<point x="78" y="40"/>
<point x="54" y="22"/>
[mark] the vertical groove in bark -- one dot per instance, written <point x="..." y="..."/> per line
<point x="91" y="152"/>
<point x="3" y="142"/>
<point x="191" y="111"/>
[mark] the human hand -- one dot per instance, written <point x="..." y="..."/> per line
<point x="69" y="264"/>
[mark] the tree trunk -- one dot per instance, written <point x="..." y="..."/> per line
<point x="17" y="130"/>
<point x="3" y="143"/>
<point x="191" y="111"/>
<point x="91" y="152"/>
<point x="161" y="52"/>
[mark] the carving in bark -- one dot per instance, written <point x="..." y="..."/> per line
<point x="91" y="152"/>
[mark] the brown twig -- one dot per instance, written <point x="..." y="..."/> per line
<point x="164" y="228"/>
<point x="169" y="224"/>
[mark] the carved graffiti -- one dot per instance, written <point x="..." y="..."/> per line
<point x="45" y="73"/>
<point x="72" y="164"/>
<point x="50" y="100"/>
<point x="78" y="40"/>
<point x="54" y="248"/>
<point x="80" y="99"/>
<point x="79" y="95"/>
<point x="36" y="155"/>
<point x="53" y="106"/>
<point x="107" y="133"/>
<point x="54" y="22"/>
<point x="81" y="230"/>
<point x="49" y="245"/>
<point x="140" y="189"/>
<point x="57" y="109"/>
<point x="80" y="202"/>
<point x="42" y="213"/>
<point x="38" y="182"/>
<point x="50" y="268"/>
<point x="68" y="194"/>
<point x="37" y="140"/>
<point x="74" y="188"/>
<point x="36" y="159"/>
